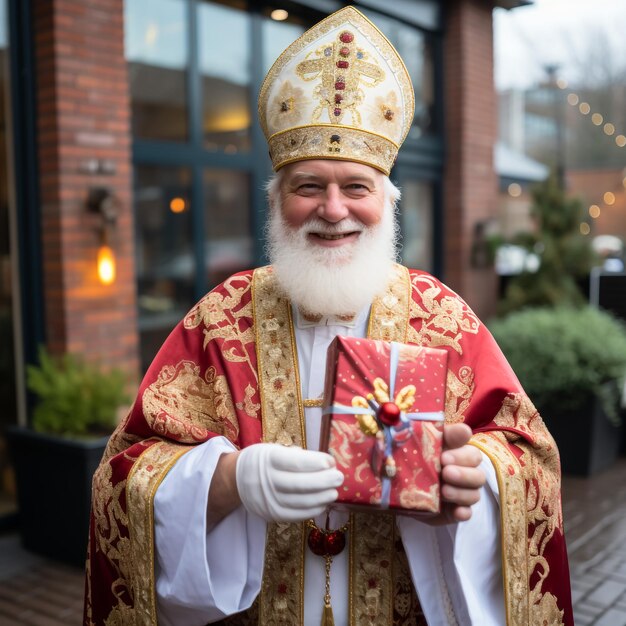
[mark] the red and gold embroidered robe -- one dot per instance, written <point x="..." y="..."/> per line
<point x="230" y="368"/>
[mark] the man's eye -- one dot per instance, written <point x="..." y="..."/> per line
<point x="308" y="187"/>
<point x="357" y="187"/>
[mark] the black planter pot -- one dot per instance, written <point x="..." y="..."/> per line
<point x="587" y="440"/>
<point x="53" y="477"/>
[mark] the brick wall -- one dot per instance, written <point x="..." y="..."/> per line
<point x="470" y="183"/>
<point x="84" y="115"/>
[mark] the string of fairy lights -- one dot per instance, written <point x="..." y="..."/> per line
<point x="597" y="119"/>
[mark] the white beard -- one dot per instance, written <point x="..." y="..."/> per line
<point x="332" y="281"/>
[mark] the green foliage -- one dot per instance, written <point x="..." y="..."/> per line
<point x="563" y="355"/>
<point x="565" y="255"/>
<point x="74" y="397"/>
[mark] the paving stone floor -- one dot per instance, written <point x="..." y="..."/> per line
<point x="38" y="592"/>
<point x="594" y="511"/>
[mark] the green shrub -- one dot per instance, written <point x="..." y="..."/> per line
<point x="75" y="397"/>
<point x="565" y="256"/>
<point x="564" y="355"/>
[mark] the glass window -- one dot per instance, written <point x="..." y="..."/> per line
<point x="224" y="61"/>
<point x="425" y="13"/>
<point x="165" y="263"/>
<point x="416" y="50"/>
<point x="276" y="37"/>
<point x="417" y="225"/>
<point x="228" y="240"/>
<point x="156" y="46"/>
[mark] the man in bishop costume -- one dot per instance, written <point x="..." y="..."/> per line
<point x="208" y="489"/>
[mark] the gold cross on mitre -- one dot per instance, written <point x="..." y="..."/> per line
<point x="343" y="69"/>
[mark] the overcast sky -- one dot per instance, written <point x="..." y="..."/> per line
<point x="566" y="32"/>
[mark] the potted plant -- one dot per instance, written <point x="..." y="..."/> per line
<point x="572" y="364"/>
<point x="77" y="407"/>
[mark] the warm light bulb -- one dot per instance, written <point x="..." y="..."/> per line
<point x="620" y="140"/>
<point x="572" y="98"/>
<point x="594" y="211"/>
<point x="585" y="229"/>
<point x="280" y="15"/>
<point x="178" y="205"/>
<point x="609" y="129"/>
<point x="561" y="83"/>
<point x="515" y="190"/>
<point x="609" y="197"/>
<point x="584" y="108"/>
<point x="106" y="265"/>
<point x="597" y="119"/>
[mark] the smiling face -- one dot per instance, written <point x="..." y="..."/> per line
<point x="331" y="234"/>
<point x="334" y="201"/>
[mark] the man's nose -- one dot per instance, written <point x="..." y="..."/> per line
<point x="332" y="205"/>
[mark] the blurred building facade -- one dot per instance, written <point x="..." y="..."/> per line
<point x="133" y="124"/>
<point x="580" y="132"/>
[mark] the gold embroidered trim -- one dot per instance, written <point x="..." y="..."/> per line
<point x="282" y="593"/>
<point x="281" y="406"/>
<point x="446" y="318"/>
<point x="143" y="481"/>
<point x="372" y="556"/>
<point x="389" y="319"/>
<point x="185" y="404"/>
<point x="326" y="141"/>
<point x="511" y="486"/>
<point x="316" y="402"/>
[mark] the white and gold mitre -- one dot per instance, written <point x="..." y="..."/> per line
<point x="340" y="91"/>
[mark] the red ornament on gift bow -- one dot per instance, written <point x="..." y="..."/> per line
<point x="389" y="413"/>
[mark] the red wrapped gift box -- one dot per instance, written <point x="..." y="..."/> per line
<point x="383" y="422"/>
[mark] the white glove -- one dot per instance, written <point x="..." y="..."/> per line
<point x="286" y="484"/>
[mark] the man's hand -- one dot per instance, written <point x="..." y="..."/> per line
<point x="278" y="483"/>
<point x="461" y="478"/>
<point x="286" y="484"/>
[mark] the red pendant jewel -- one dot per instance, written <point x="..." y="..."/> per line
<point x="316" y="541"/>
<point x="327" y="544"/>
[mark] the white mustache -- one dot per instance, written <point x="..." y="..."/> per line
<point x="320" y="227"/>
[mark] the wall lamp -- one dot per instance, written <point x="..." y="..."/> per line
<point x="101" y="200"/>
